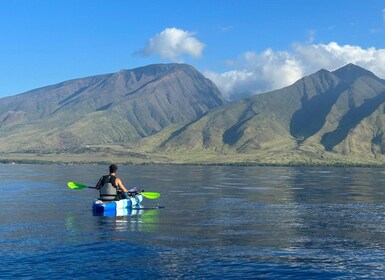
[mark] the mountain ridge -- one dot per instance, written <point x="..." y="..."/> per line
<point x="117" y="107"/>
<point x="170" y="113"/>
<point x="318" y="115"/>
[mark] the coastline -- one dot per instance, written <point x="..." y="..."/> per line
<point x="164" y="159"/>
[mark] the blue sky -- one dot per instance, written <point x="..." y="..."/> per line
<point x="244" y="46"/>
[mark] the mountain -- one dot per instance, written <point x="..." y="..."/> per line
<point x="325" y="117"/>
<point x="170" y="113"/>
<point x="121" y="107"/>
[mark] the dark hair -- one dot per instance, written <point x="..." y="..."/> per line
<point x="113" y="168"/>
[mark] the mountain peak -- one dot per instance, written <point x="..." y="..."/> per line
<point x="351" y="72"/>
<point x="118" y="107"/>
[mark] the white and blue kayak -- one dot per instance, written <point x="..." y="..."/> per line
<point x="100" y="206"/>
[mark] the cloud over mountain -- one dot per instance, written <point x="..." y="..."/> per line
<point x="172" y="44"/>
<point x="255" y="73"/>
<point x="260" y="72"/>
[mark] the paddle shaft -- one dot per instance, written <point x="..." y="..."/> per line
<point x="79" y="186"/>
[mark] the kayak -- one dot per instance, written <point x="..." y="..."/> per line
<point x="100" y="206"/>
<point x="120" y="212"/>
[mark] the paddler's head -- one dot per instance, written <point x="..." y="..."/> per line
<point x="113" y="168"/>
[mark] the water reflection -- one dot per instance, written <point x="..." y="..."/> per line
<point x="126" y="220"/>
<point x="141" y="221"/>
<point x="246" y="221"/>
<point x="336" y="210"/>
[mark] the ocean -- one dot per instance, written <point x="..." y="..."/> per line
<point x="210" y="222"/>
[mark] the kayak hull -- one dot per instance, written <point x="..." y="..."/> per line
<point x="99" y="206"/>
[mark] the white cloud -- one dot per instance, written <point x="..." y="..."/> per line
<point x="269" y="70"/>
<point x="257" y="73"/>
<point x="172" y="44"/>
<point x="383" y="13"/>
<point x="333" y="56"/>
<point x="237" y="82"/>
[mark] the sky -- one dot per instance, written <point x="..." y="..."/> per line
<point x="244" y="46"/>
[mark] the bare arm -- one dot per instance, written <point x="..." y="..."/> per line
<point x="119" y="183"/>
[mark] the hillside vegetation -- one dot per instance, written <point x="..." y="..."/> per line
<point x="172" y="114"/>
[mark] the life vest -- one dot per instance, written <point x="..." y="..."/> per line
<point x="108" y="189"/>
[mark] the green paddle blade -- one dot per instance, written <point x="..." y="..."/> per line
<point x="150" y="195"/>
<point x="76" y="186"/>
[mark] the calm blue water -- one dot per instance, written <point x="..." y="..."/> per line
<point x="217" y="223"/>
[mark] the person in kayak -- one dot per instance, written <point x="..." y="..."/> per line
<point x="111" y="187"/>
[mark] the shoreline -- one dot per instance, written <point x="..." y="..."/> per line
<point x="245" y="164"/>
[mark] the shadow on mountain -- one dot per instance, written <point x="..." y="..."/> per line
<point x="348" y="122"/>
<point x="308" y="120"/>
<point x="143" y="86"/>
<point x="235" y="133"/>
<point x="231" y="136"/>
<point x="105" y="107"/>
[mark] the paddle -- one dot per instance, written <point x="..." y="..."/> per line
<point x="78" y="186"/>
<point x="150" y="195"/>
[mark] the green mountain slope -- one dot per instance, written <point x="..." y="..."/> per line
<point x="122" y="107"/>
<point x="171" y="114"/>
<point x="325" y="117"/>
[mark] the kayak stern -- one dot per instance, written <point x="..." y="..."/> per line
<point x="100" y="206"/>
